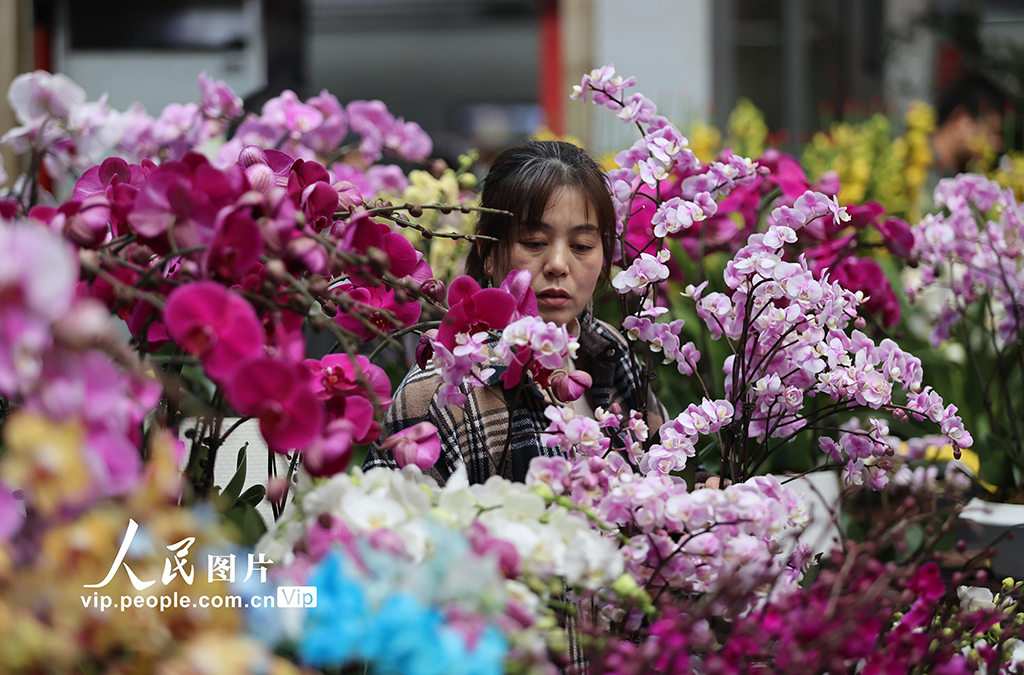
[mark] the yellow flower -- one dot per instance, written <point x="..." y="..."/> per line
<point x="747" y="129"/>
<point x="704" y="140"/>
<point x="46" y="460"/>
<point x="545" y="133"/>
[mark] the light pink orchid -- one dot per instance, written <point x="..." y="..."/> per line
<point x="419" y="445"/>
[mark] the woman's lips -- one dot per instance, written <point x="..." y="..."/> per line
<point x="554" y="298"/>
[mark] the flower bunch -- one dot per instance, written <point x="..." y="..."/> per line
<point x="858" y="615"/>
<point x="671" y="538"/>
<point x="317" y="127"/>
<point x="375" y="608"/>
<point x="400" y="525"/>
<point x="972" y="278"/>
<point x="787" y="318"/>
<point x="56" y="367"/>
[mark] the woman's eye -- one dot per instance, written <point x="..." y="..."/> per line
<point x="532" y="245"/>
<point x="582" y="248"/>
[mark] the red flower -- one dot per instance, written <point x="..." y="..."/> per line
<point x="374" y="299"/>
<point x="218" y="326"/>
<point x="473" y="309"/>
<point x="279" y="394"/>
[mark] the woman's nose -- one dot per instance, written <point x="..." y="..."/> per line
<point x="557" y="262"/>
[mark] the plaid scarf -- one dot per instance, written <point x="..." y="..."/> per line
<point x="476" y="434"/>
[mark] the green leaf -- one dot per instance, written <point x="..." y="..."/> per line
<point x="250" y="526"/>
<point x="253" y="496"/>
<point x="234" y="486"/>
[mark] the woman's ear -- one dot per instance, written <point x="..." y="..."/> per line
<point x="488" y="265"/>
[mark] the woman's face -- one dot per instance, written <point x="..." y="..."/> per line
<point x="564" y="254"/>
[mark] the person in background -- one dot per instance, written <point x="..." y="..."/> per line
<point x="563" y="232"/>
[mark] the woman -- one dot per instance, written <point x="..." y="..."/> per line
<point x="563" y="232"/>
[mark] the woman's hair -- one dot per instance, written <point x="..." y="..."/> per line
<point x="521" y="180"/>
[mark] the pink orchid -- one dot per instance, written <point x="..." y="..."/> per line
<point x="218" y="99"/>
<point x="236" y="247"/>
<point x="413" y="144"/>
<point x="218" y="326"/>
<point x="372" y="121"/>
<point x="373" y="303"/>
<point x="280" y="395"/>
<point x="517" y="283"/>
<point x="387" y="178"/>
<point x="864" y="274"/>
<point x="284" y="335"/>
<point x="569" y="386"/>
<point x="473" y="310"/>
<point x="352" y="174"/>
<point x="331" y="132"/>
<point x="288" y="112"/>
<point x="331" y="454"/>
<point x="336" y="377"/>
<point x="419" y="445"/>
<point x="898" y="237"/>
<point x="362" y="233"/>
<point x="188" y="194"/>
<point x="349" y="196"/>
<point x="112" y="171"/>
<point x="785" y="172"/>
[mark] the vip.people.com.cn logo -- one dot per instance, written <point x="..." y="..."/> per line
<point x="296" y="596"/>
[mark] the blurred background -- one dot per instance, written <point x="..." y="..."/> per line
<point x="489" y="73"/>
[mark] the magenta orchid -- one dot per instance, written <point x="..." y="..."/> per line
<point x="216" y="325"/>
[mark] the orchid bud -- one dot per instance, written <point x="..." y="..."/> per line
<point x="252" y="154"/>
<point x="570" y="386"/>
<point x="434" y="289"/>
<point x="379" y="262"/>
<point x="78" y="230"/>
<point x="900" y="415"/>
<point x="589" y="482"/>
<point x="277" y="272"/>
<point x="310" y="253"/>
<point x="597" y="464"/>
<point x="277" y="488"/>
<point x="424" y="352"/>
<point x="261" y="178"/>
<point x="860" y="323"/>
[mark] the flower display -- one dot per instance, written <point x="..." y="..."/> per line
<point x="177" y="291"/>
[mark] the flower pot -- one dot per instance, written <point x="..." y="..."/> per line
<point x="982" y="522"/>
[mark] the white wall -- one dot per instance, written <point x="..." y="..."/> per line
<point x="667" y="45"/>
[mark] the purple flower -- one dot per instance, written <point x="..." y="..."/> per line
<point x="419" y="445"/>
<point x="218" y="99"/>
<point x="288" y="112"/>
<point x="329" y="134"/>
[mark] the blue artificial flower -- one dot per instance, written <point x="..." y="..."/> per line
<point x="405" y="639"/>
<point x="337" y="626"/>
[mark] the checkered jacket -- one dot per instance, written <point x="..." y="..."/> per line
<point x="475" y="434"/>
